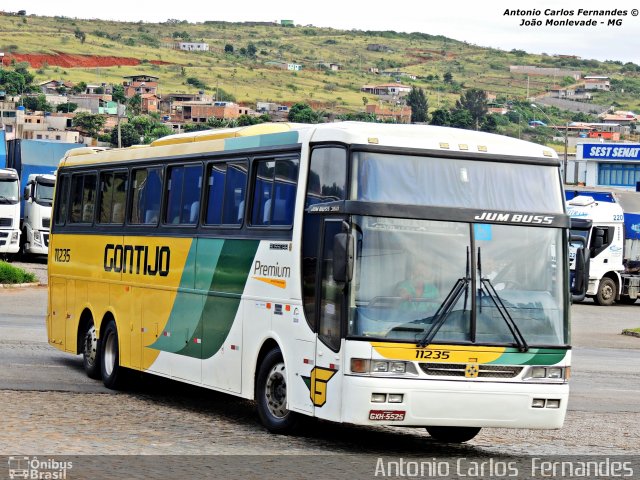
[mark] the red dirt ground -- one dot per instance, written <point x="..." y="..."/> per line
<point x="68" y="60"/>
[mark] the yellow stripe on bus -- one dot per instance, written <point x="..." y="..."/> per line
<point x="438" y="353"/>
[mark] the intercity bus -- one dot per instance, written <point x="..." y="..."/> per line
<point x="264" y="262"/>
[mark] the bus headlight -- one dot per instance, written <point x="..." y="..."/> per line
<point x="37" y="238"/>
<point x="555" y="374"/>
<point x="14" y="237"/>
<point x="382" y="367"/>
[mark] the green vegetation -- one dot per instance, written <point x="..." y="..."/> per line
<point x="12" y="275"/>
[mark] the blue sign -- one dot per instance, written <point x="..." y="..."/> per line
<point x="482" y="231"/>
<point x="611" y="151"/>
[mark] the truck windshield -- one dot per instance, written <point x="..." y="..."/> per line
<point x="406" y="269"/>
<point x="44" y="193"/>
<point x="8" y="191"/>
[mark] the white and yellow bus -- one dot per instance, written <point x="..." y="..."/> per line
<point x="268" y="262"/>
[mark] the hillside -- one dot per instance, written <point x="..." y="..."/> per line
<point x="96" y="51"/>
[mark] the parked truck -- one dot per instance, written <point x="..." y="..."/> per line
<point x="35" y="162"/>
<point x="612" y="234"/>
<point x="9" y="213"/>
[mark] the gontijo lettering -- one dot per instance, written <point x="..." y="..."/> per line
<point x="137" y="259"/>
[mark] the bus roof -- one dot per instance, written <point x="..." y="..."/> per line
<point x="424" y="137"/>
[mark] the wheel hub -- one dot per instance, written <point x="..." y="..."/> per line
<point x="276" y="391"/>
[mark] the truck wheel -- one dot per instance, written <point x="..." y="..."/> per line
<point x="453" y="434"/>
<point x="606" y="292"/>
<point x="112" y="372"/>
<point x="91" y="352"/>
<point x="271" y="394"/>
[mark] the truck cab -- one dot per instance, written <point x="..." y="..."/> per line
<point x="38" y="198"/>
<point x="9" y="212"/>
<point x="602" y="226"/>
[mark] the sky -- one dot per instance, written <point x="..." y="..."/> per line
<point x="482" y="23"/>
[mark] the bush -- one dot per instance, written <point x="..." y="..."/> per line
<point x="11" y="274"/>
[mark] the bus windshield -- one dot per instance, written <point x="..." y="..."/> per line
<point x="405" y="269"/>
<point x="44" y="193"/>
<point x="447" y="182"/>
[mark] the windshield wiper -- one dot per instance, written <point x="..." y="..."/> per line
<point x="441" y="315"/>
<point x="4" y="199"/>
<point x="491" y="292"/>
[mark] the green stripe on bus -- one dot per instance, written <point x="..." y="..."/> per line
<point x="222" y="303"/>
<point x="535" y="356"/>
<point x="270" y="140"/>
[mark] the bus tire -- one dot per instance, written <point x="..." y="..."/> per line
<point x="91" y="352"/>
<point x="112" y="372"/>
<point x="453" y="434"/>
<point x="271" y="394"/>
<point x="606" y="292"/>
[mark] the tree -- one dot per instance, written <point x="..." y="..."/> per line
<point x="80" y="35"/>
<point x="36" y="103"/>
<point x="419" y="104"/>
<point x="462" y="119"/>
<point x="67" y="107"/>
<point x="475" y="102"/>
<point x="228" y="48"/>
<point x="117" y="94"/>
<point x="303" y="113"/>
<point x="448" y="77"/>
<point x="79" y="87"/>
<point x="489" y="124"/>
<point x="251" y="50"/>
<point x="441" y="117"/>
<point x="135" y="104"/>
<point x="128" y="135"/>
<point x="89" y="123"/>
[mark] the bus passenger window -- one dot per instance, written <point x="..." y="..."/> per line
<point x="275" y="192"/>
<point x="146" y="192"/>
<point x="83" y="191"/>
<point x="62" y="200"/>
<point x="183" y="196"/>
<point x="112" y="200"/>
<point x="234" y="194"/>
<point x="215" y="193"/>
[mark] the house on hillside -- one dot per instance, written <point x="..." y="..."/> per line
<point x="388" y="89"/>
<point x="597" y="83"/>
<point x="200" y="112"/>
<point x="140" y="84"/>
<point x="52" y="87"/>
<point x="193" y="46"/>
<point x="399" y="114"/>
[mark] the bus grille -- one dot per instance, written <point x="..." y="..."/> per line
<point x="46" y="222"/>
<point x="6" y="222"/>
<point x="458" y="370"/>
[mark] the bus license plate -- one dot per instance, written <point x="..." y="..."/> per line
<point x="387" y="415"/>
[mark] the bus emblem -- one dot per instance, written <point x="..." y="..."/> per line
<point x="317" y="384"/>
<point x="471" y="370"/>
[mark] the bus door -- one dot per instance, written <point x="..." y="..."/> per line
<point x="327" y="374"/>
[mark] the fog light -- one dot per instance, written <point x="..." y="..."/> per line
<point x="378" y="397"/>
<point x="538" y="372"/>
<point x="538" y="403"/>
<point x="553" y="403"/>
<point x="396" y="397"/>
<point x="554" y="372"/>
<point x="398" y="367"/>
<point x="380" y="367"/>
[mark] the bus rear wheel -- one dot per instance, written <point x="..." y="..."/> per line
<point x="453" y="434"/>
<point x="271" y="394"/>
<point x="606" y="292"/>
<point x="90" y="352"/>
<point x="112" y="372"/>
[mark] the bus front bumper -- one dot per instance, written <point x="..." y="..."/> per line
<point x="454" y="403"/>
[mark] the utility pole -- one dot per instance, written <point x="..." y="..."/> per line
<point x="566" y="148"/>
<point x="119" y="130"/>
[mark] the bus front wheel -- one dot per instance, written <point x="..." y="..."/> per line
<point x="91" y="353"/>
<point x="112" y="372"/>
<point x="271" y="394"/>
<point x="453" y="434"/>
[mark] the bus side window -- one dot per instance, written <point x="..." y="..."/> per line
<point x="327" y="175"/>
<point x="62" y="200"/>
<point x="183" y="196"/>
<point x="146" y="191"/>
<point x="275" y="192"/>
<point x="83" y="193"/>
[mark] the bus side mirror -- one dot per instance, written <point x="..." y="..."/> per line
<point x="343" y="257"/>
<point x="581" y="269"/>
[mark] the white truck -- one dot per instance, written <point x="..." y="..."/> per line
<point x="9" y="212"/>
<point x="38" y="198"/>
<point x="613" y="241"/>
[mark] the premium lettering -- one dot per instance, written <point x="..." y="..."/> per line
<point x="271" y="270"/>
<point x="137" y="259"/>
